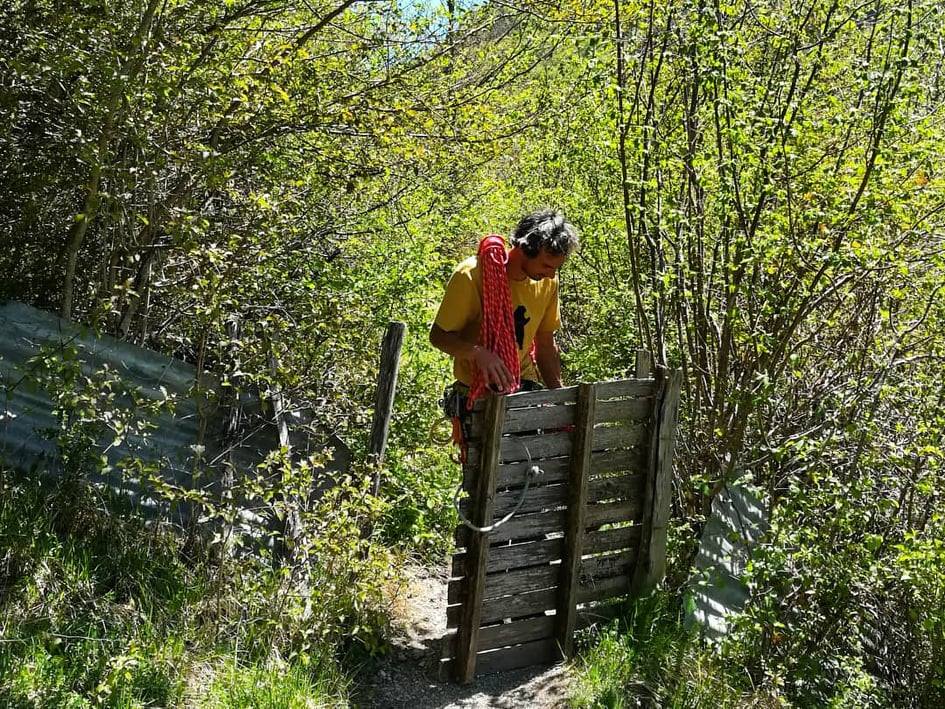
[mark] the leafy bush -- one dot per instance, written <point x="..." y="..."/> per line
<point x="840" y="615"/>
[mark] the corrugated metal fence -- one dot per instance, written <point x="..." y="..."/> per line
<point x="193" y="429"/>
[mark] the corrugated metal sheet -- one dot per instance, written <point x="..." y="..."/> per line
<point x="716" y="590"/>
<point x="27" y="421"/>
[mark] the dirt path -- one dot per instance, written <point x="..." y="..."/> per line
<point x="408" y="676"/>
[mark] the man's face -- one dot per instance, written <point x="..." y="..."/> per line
<point x="544" y="265"/>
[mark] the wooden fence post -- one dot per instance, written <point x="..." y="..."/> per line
<point x="384" y="397"/>
<point x="477" y="551"/>
<point x="651" y="560"/>
<point x="577" y="504"/>
<point x="644" y="364"/>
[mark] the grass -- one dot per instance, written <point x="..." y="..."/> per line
<point x="273" y="687"/>
<point x="648" y="658"/>
<point x="99" y="609"/>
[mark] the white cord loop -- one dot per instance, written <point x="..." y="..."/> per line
<point x="533" y="472"/>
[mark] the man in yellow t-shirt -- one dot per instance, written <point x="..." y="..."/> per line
<point x="541" y="243"/>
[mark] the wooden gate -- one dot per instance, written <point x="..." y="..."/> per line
<point x="591" y="526"/>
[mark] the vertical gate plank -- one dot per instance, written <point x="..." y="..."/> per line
<point x="574" y="533"/>
<point x="663" y="490"/>
<point x="651" y="562"/>
<point x="477" y="556"/>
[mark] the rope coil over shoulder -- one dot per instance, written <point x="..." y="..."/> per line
<point x="497" y="330"/>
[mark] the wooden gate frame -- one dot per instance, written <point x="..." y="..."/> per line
<point x="651" y="549"/>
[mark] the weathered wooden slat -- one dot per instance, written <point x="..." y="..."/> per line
<point x="555" y="470"/>
<point x="516" y="556"/>
<point x="510" y="607"/>
<point x="536" y="499"/>
<point x="577" y="489"/>
<point x="504" y="583"/>
<point x="543" y="397"/>
<point x="603" y="589"/>
<point x="662" y="504"/>
<point x="538" y="652"/>
<point x="515" y="633"/>
<point x="629" y="411"/>
<point x="531" y="579"/>
<point x="552" y="445"/>
<point x="505" y="634"/>
<point x="615" y="487"/>
<point x="522" y="448"/>
<point x="384" y="396"/>
<point x="610" y="437"/>
<point x="599" y="612"/>
<point x="632" y="459"/>
<point x="456" y="590"/>
<point x="564" y="395"/>
<point x="546" y="418"/>
<point x="612" y="512"/>
<point x="595" y="569"/>
<point x="470" y="474"/>
<point x="626" y="388"/>
<point x="553" y="496"/>
<point x="535" y="447"/>
<point x="644" y="364"/>
<point x="478" y="551"/>
<point x="537" y="526"/>
<point x="651" y="565"/>
<point x="521" y="527"/>
<point x="598" y="542"/>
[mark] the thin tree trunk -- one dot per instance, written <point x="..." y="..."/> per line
<point x="642" y="324"/>
<point x="93" y="195"/>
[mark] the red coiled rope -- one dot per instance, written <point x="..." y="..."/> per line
<point x="497" y="331"/>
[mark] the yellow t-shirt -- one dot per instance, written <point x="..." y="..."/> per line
<point x="534" y="305"/>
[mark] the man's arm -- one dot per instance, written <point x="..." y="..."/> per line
<point x="490" y="363"/>
<point x="548" y="359"/>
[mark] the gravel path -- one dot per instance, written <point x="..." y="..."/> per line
<point x="407" y="677"/>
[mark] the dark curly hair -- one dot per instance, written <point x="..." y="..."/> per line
<point x="548" y="229"/>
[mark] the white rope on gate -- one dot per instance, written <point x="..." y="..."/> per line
<point x="533" y="472"/>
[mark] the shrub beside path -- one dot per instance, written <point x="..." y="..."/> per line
<point x="407" y="676"/>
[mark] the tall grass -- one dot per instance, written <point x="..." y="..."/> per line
<point x="648" y="658"/>
<point x="97" y="608"/>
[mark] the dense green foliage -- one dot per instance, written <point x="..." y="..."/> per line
<point x="99" y="610"/>
<point x="259" y="186"/>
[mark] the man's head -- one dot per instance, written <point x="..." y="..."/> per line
<point x="546" y="240"/>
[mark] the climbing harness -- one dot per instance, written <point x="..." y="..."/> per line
<point x="533" y="471"/>
<point x="454" y="407"/>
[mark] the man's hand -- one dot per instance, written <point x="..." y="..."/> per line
<point x="493" y="369"/>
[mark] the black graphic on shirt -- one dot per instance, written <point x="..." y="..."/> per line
<point x="520" y="322"/>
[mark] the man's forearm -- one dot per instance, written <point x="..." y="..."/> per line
<point x="549" y="363"/>
<point x="452" y="344"/>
